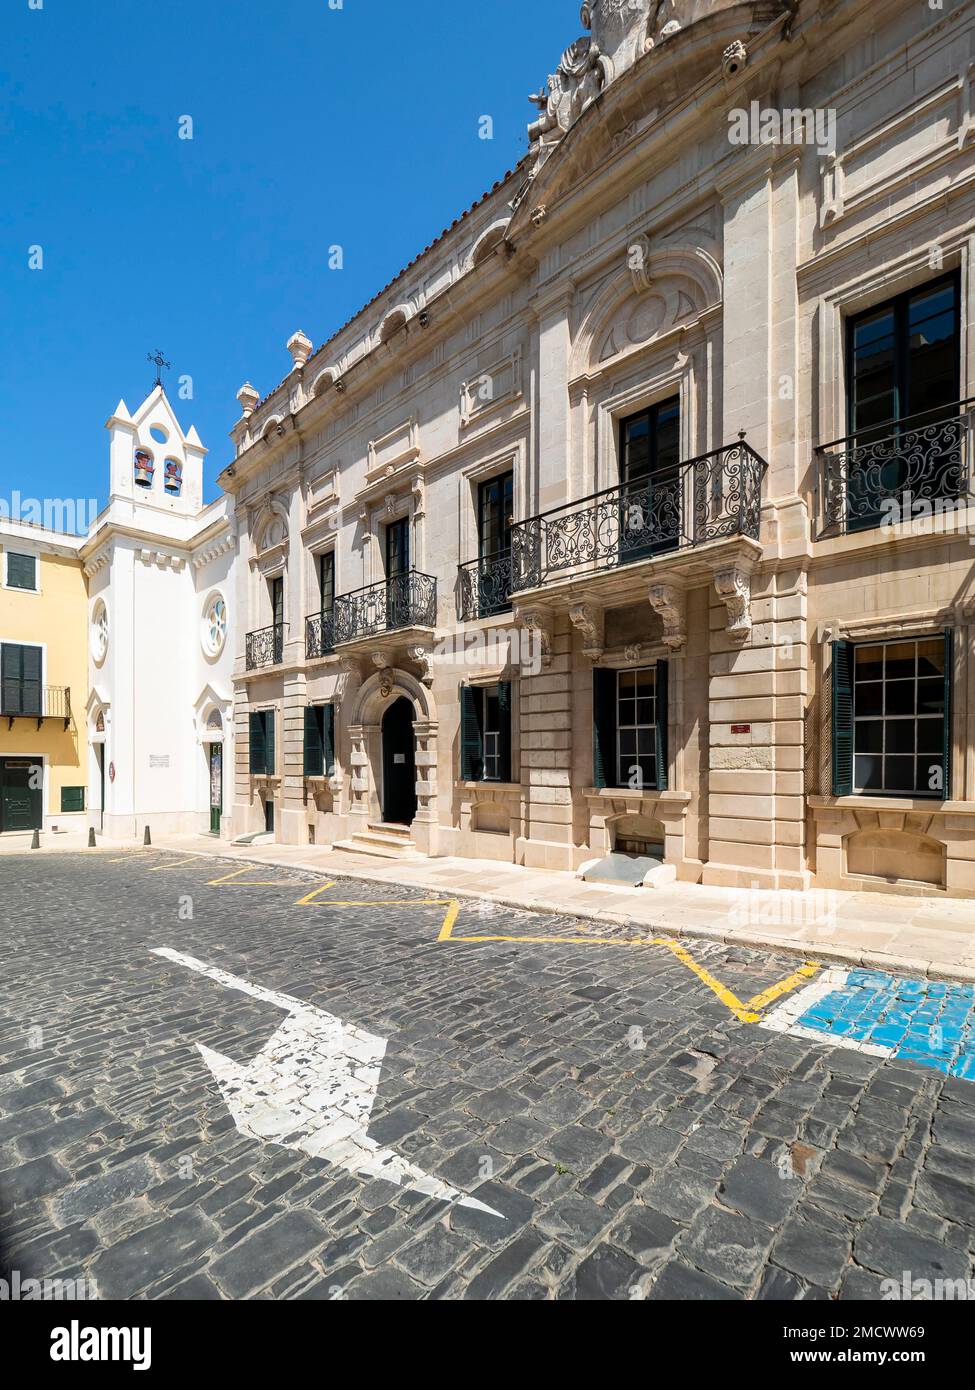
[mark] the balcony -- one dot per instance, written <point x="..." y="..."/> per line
<point x="25" y="700"/>
<point x="393" y="605"/>
<point x="319" y="635"/>
<point x="918" y="466"/>
<point x="714" y="498"/>
<point x="265" y="647"/>
<point x="485" y="587"/>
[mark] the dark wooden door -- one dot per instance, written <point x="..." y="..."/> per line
<point x="399" y="765"/>
<point x="21" y="804"/>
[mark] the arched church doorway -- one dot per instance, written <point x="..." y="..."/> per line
<point x="399" y="764"/>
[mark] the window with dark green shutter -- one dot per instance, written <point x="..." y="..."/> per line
<point x="72" y="799"/>
<point x="630" y="733"/>
<point x="20" y="679"/>
<point x="485" y="732"/>
<point x="21" y="571"/>
<point x="262" y="743"/>
<point x="892" y="717"/>
<point x="319" y="740"/>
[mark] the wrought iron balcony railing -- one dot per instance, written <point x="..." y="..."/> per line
<point x="31" y="700"/>
<point x="714" y="497"/>
<point x="407" y="600"/>
<point x="319" y="635"/>
<point x="265" y="647"/>
<point x="485" y="586"/>
<point x="881" y="475"/>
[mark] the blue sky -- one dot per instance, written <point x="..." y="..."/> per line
<point x="311" y="126"/>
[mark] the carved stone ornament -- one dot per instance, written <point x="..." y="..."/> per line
<point x="423" y="658"/>
<point x="590" y="621"/>
<point x="638" y="252"/>
<point x="734" y="590"/>
<point x="386" y="683"/>
<point x="734" y="58"/>
<point x="670" y="604"/>
<point x="537" y="622"/>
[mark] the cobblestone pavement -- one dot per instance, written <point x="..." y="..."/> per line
<point x="639" y="1139"/>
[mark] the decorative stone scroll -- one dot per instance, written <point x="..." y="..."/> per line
<point x="670" y="603"/>
<point x="734" y="589"/>
<point x="591" y="623"/>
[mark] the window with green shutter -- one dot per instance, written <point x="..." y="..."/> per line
<point x="630" y="728"/>
<point x="319" y="750"/>
<point x="72" y="799"/>
<point x="20" y="679"/>
<point x="891" y="719"/>
<point x="262" y="743"/>
<point x="21" y="571"/>
<point x="485" y="732"/>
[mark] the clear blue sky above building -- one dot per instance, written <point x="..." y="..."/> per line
<point x="312" y="126"/>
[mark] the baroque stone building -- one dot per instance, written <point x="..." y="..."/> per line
<point x="635" y="512"/>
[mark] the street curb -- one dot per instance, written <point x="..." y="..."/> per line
<point x="867" y="960"/>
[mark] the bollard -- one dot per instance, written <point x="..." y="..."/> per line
<point x="36" y="841"/>
<point x="91" y="837"/>
<point x="148" y="838"/>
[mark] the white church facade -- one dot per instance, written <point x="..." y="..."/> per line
<point x="158" y="564"/>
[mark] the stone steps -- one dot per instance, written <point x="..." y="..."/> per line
<point x="382" y="842"/>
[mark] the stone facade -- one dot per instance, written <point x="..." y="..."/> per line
<point x="641" y="253"/>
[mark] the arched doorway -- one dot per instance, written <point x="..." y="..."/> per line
<point x="399" y="764"/>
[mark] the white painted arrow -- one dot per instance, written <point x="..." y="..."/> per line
<point x="312" y="1088"/>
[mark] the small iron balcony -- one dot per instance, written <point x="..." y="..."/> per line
<point x="319" y="635"/>
<point x="880" y="475"/>
<point x="27" y="700"/>
<point x="714" y="497"/>
<point x="265" y="647"/>
<point x="485" y="587"/>
<point x="406" y="600"/>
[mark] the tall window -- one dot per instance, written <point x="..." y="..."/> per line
<point x="276" y="592"/>
<point x="486" y="733"/>
<point x="21" y="571"/>
<point x="319" y="746"/>
<point x="20" y="679"/>
<point x="495" y="516"/>
<point x="650" y="498"/>
<point x="904" y="359"/>
<point x="326" y="580"/>
<point x="262" y="752"/>
<point x="630" y="746"/>
<point x="891" y="717"/>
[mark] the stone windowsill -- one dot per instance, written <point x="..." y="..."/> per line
<point x="925" y="805"/>
<point x="625" y="794"/>
<point x="507" y="787"/>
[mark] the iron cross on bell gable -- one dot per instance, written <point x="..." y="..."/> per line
<point x="159" y="362"/>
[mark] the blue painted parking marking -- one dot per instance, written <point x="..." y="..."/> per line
<point x="920" y="1021"/>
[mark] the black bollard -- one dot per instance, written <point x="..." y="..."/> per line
<point x="36" y="841"/>
<point x="91" y="837"/>
<point x="147" y="840"/>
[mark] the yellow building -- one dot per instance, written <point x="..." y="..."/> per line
<point x="43" y="681"/>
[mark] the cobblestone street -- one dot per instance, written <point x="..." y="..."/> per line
<point x="625" y="1126"/>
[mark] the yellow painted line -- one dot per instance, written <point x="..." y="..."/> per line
<point x="791" y="982"/>
<point x="309" y="898"/>
<point x="729" y="1000"/>
<point x="165" y="868"/>
<point x="232" y="880"/>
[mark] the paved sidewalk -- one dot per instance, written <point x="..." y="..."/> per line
<point x="933" y="937"/>
<point x="925" y="936"/>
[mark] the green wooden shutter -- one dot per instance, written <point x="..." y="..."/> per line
<point x="504" y="706"/>
<point x="314" y="741"/>
<point x="662" y="691"/>
<point x="604" y="760"/>
<point x="258" y="744"/>
<point x="842" y="719"/>
<point x="471" y="734"/>
<point x="948" y="738"/>
<point x="269" y="740"/>
<point x="21" y="571"/>
<point x="72" y="799"/>
<point x="10" y="679"/>
<point x="328" y="740"/>
<point x="31" y="680"/>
